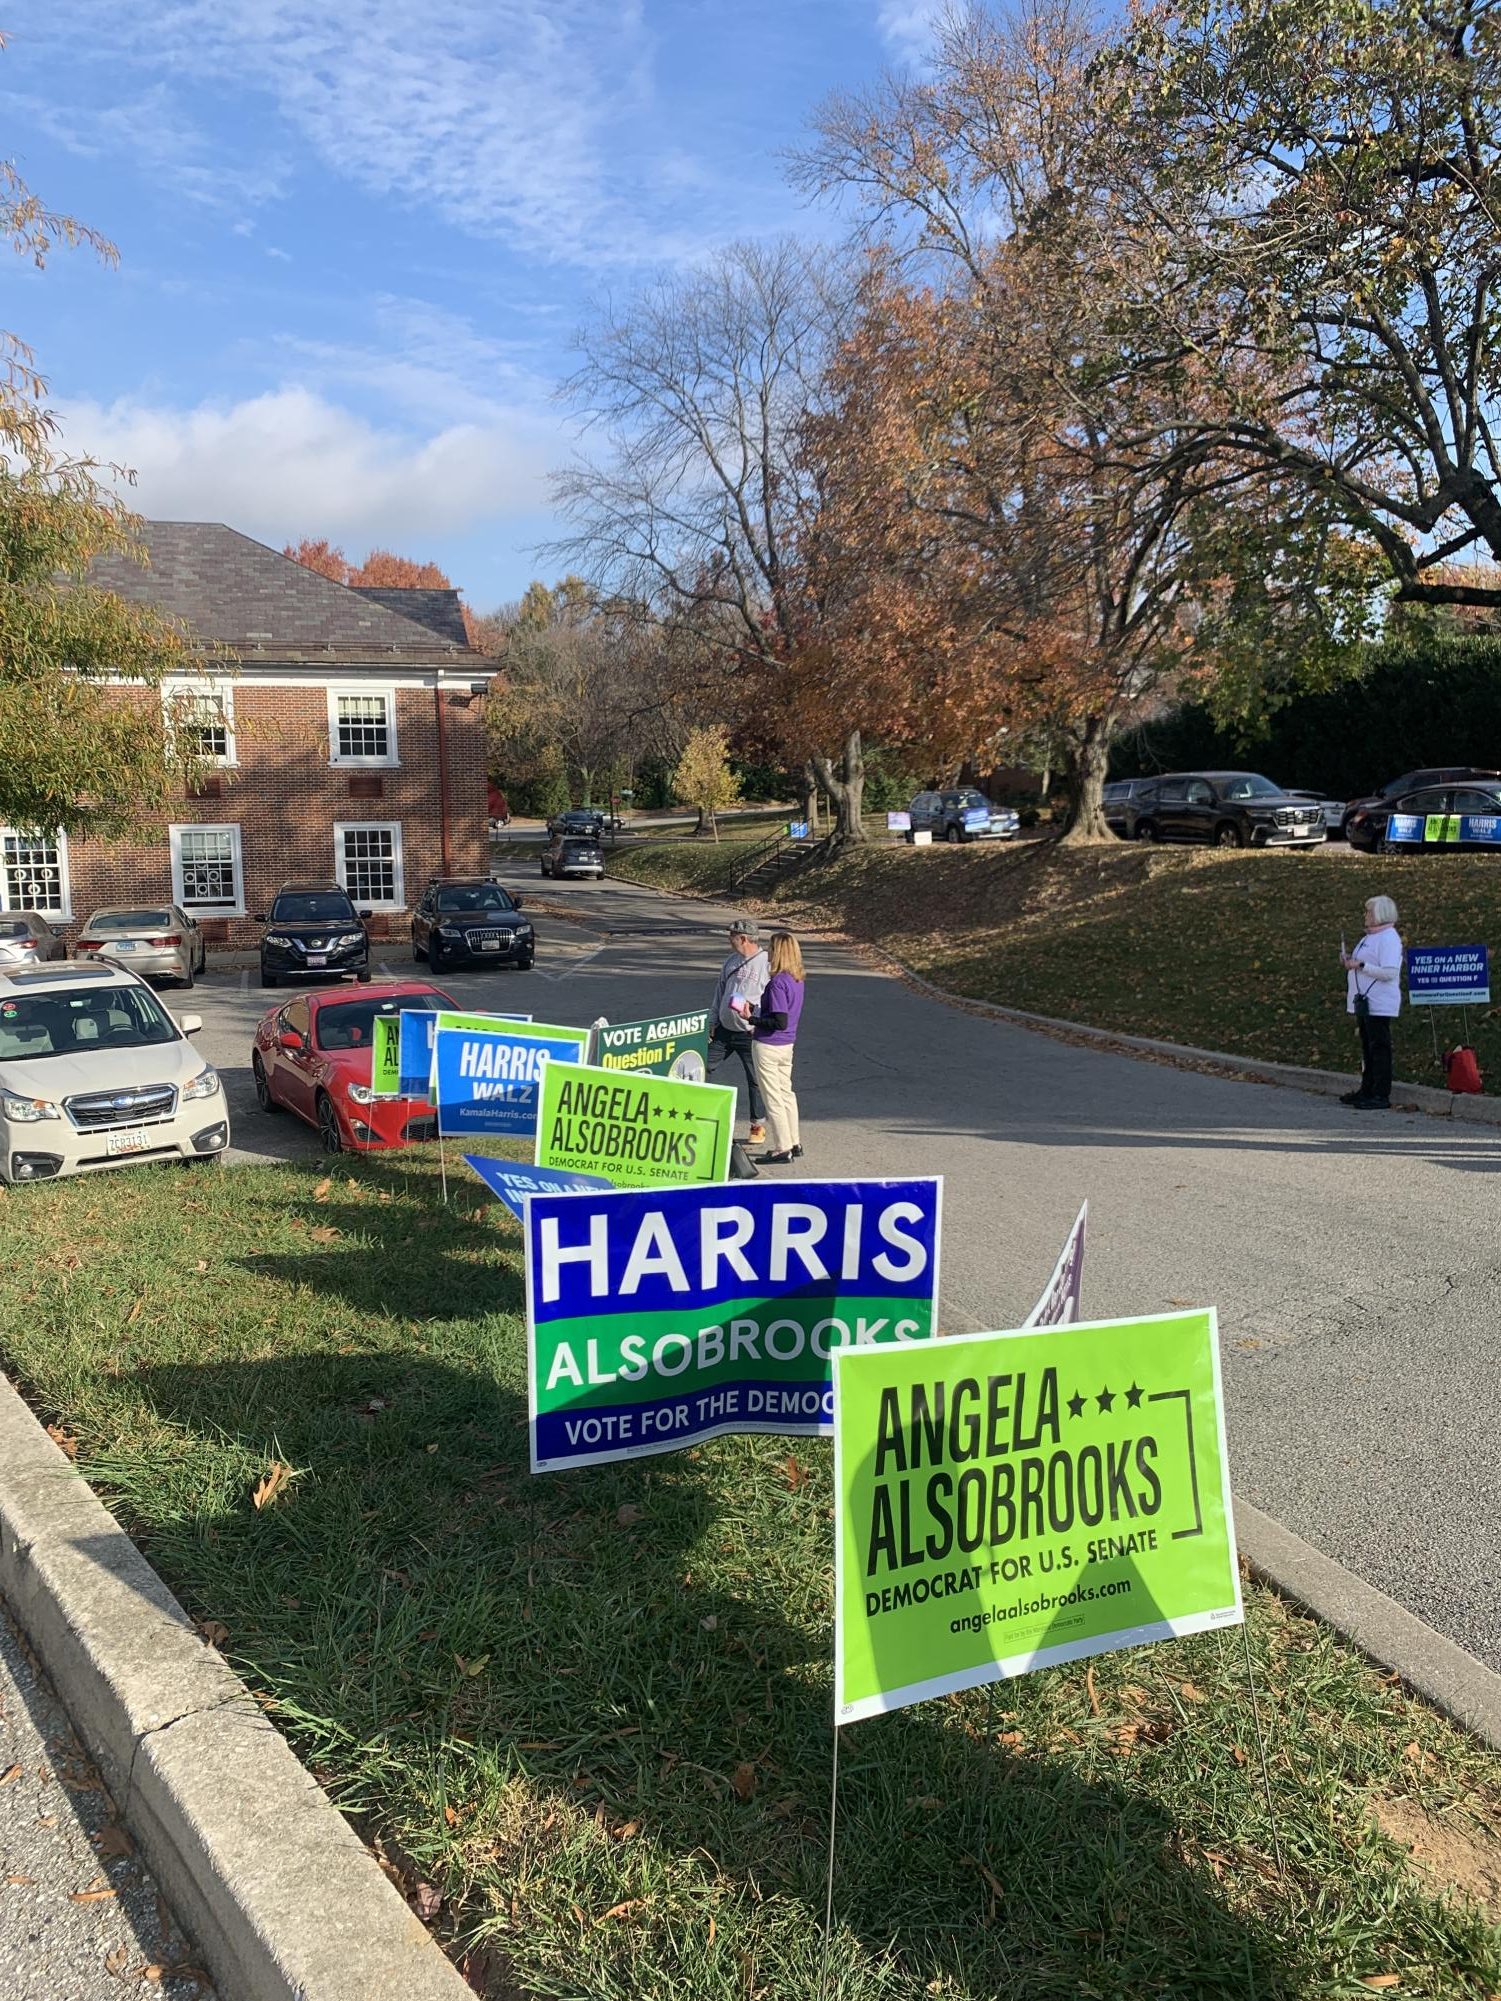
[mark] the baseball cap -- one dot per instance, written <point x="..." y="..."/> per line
<point x="745" y="927"/>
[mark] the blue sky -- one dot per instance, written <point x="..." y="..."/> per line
<point x="356" y="236"/>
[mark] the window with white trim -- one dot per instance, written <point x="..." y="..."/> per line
<point x="362" y="725"/>
<point x="34" y="872"/>
<point x="207" y="872"/>
<point x="202" y="717"/>
<point x="367" y="861"/>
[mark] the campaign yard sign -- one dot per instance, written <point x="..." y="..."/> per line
<point x="1060" y="1296"/>
<point x="488" y="1080"/>
<point x="1444" y="829"/>
<point x="659" y="1318"/>
<point x="1004" y="1502"/>
<point x="638" y="1132"/>
<point x="898" y="823"/>
<point x="414" y="1044"/>
<point x="672" y="1045"/>
<point x="1448" y="975"/>
<point x="513" y="1181"/>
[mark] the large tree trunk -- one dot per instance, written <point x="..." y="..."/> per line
<point x="847" y="790"/>
<point x="1088" y="761"/>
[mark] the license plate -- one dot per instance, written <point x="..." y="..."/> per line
<point x="136" y="1140"/>
<point x="126" y="947"/>
<point x="489" y="944"/>
<point x="317" y="958"/>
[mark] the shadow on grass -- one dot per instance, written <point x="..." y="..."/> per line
<point x="617" y="1684"/>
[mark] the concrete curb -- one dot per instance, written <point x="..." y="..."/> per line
<point x="276" y="1888"/>
<point x="1435" y="1667"/>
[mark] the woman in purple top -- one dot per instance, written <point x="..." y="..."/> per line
<point x="775" y="1033"/>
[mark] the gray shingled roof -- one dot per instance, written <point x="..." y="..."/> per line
<point x="438" y="610"/>
<point x="235" y="592"/>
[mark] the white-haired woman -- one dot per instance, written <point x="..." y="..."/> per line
<point x="1373" y="992"/>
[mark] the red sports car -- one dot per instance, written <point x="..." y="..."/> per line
<point x="312" y="1057"/>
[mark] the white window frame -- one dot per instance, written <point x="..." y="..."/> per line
<point x="398" y="875"/>
<point x="179" y="897"/>
<point x="373" y="690"/>
<point x="59" y="840"/>
<point x="202" y="687"/>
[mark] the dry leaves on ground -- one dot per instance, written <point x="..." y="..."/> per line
<point x="271" y="1485"/>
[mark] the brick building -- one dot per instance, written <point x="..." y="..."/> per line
<point x="347" y="741"/>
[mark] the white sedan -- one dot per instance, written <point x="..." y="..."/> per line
<point x="94" y="1073"/>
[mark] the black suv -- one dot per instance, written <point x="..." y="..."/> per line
<point x="466" y="919"/>
<point x="578" y="820"/>
<point x="312" y="928"/>
<point x="1233" y="809"/>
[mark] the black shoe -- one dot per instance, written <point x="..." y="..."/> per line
<point x="1370" y="1104"/>
<point x="797" y="1153"/>
<point x="1351" y="1097"/>
<point x="775" y="1159"/>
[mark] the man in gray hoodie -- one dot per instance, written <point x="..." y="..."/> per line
<point x="742" y="981"/>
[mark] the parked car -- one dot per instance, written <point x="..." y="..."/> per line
<point x="568" y="854"/>
<point x="95" y="1073"/>
<point x="468" y="919"/>
<point x="1333" y="811"/>
<point x="313" y="927"/>
<point x="311" y="1056"/>
<point x="962" y="816"/>
<point x="1232" y="809"/>
<point x="27" y="939"/>
<point x="1123" y="799"/>
<point x="1367" y="826"/>
<point x="161" y="942"/>
<point x="584" y="820"/>
<point x="1417" y="781"/>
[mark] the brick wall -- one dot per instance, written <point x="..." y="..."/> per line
<point x="286" y="797"/>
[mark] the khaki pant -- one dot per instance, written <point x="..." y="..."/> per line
<point x="774" y="1075"/>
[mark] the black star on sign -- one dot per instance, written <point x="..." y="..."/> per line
<point x="1105" y="1399"/>
<point x="1076" y="1405"/>
<point x="1133" y="1397"/>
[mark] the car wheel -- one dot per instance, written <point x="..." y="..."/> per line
<point x="329" y="1135"/>
<point x="434" y="955"/>
<point x="263" y="1095"/>
<point x="1228" y="835"/>
<point x="190" y="977"/>
<point x="417" y="952"/>
<point x="267" y="979"/>
<point x="525" y="964"/>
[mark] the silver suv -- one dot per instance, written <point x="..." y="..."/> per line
<point x="95" y="1073"/>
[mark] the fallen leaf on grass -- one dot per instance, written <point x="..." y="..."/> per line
<point x="1191" y="1694"/>
<point x="1381" y="1980"/>
<point x="1089" y="1690"/>
<point x="214" y="1632"/>
<point x="474" y="1667"/>
<point x="796" y="1474"/>
<point x="624" y="1910"/>
<point x="713" y="1929"/>
<point x="64" y="1440"/>
<point x="743" y="1782"/>
<point x="325" y="1234"/>
<point x="632" y="1827"/>
<point x="427" y="1901"/>
<point x="10" y="1775"/>
<point x="626" y="1517"/>
<point x="450" y="1816"/>
<point x="134" y="1312"/>
<point x="270" y="1485"/>
<point x="320" y="1193"/>
<point x="710" y="1624"/>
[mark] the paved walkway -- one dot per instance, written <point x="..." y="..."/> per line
<point x="80" y="1919"/>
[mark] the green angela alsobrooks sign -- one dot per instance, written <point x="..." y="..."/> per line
<point x="638" y="1132"/>
<point x="1005" y="1502"/>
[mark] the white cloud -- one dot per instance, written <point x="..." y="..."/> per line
<point x="907" y="26"/>
<point x="292" y="463"/>
<point x="532" y="120"/>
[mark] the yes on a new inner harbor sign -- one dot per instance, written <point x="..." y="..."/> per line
<point x="660" y="1317"/>
<point x="1004" y="1502"/>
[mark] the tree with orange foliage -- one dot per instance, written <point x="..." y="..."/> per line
<point x="384" y="571"/>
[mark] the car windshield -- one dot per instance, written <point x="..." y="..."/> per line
<point x="79" y="1022"/>
<point x="474" y="896"/>
<point x="978" y="799"/>
<point x="311" y="907"/>
<point x="130" y="920"/>
<point x="351" y="1024"/>
<point x="1248" y="785"/>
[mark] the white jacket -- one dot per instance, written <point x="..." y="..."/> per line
<point x="1379" y="976"/>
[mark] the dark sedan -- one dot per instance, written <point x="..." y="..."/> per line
<point x="1436" y="817"/>
<point x="1419" y="781"/>
<point x="1230" y="809"/>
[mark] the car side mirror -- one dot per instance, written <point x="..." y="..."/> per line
<point x="260" y="917"/>
<point x="190" y="1023"/>
<point x="289" y="1039"/>
<point x="364" y="915"/>
<point x="519" y="901"/>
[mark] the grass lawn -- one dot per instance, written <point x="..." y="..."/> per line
<point x="594" y="1710"/>
<point x="1232" y="951"/>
